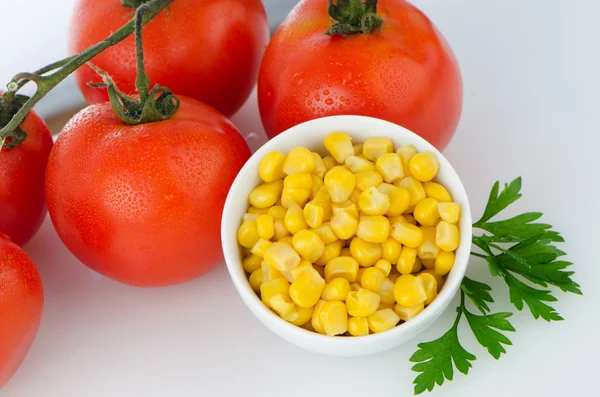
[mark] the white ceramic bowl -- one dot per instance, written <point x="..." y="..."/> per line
<point x="311" y="135"/>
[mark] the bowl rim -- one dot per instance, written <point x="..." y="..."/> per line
<point x="269" y="318"/>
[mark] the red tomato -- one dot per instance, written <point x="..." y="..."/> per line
<point x="209" y="50"/>
<point x="21" y="304"/>
<point x="22" y="169"/>
<point x="406" y="73"/>
<point x="142" y="204"/>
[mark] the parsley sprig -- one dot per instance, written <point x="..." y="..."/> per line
<point x="524" y="254"/>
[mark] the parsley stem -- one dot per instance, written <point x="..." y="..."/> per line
<point x="478" y="255"/>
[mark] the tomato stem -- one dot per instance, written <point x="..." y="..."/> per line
<point x="11" y="119"/>
<point x="133" y="3"/>
<point x="153" y="105"/>
<point x="354" y="17"/>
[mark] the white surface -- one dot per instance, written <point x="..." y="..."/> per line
<point x="310" y="135"/>
<point x="531" y="108"/>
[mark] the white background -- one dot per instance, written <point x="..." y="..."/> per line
<point x="531" y="108"/>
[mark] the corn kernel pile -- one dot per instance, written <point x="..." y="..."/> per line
<point x="352" y="243"/>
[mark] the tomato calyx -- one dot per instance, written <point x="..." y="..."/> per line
<point x="354" y="17"/>
<point x="10" y="104"/>
<point x="133" y="3"/>
<point x="158" y="104"/>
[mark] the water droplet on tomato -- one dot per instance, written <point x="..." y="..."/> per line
<point x="329" y="101"/>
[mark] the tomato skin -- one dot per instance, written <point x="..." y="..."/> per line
<point x="22" y="170"/>
<point x="209" y="50"/>
<point x="405" y="74"/>
<point x="21" y="305"/>
<point x="142" y="204"/>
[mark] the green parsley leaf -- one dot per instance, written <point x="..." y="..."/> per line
<point x="518" y="228"/>
<point x="533" y="297"/>
<point x="488" y="337"/>
<point x="435" y="359"/>
<point x="498" y="202"/>
<point x="479" y="293"/>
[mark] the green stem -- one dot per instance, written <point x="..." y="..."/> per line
<point x="460" y="309"/>
<point x="63" y="68"/>
<point x="133" y="3"/>
<point x="478" y="255"/>
<point x="354" y="17"/>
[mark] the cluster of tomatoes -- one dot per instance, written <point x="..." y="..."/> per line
<point x="142" y="204"/>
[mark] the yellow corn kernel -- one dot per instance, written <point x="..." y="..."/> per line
<point x="325" y="233"/>
<point x="292" y="274"/>
<point x="358" y="326"/>
<point x="355" y="286"/>
<point x="373" y="202"/>
<point x="320" y="270"/>
<point x="360" y="272"/>
<point x="367" y="179"/>
<point x="372" y="278"/>
<point x="424" y="166"/>
<point x="269" y="273"/>
<point x="383" y="320"/>
<point x="409" y="290"/>
<point x="313" y="214"/>
<point x="410" y="219"/>
<point x="340" y="183"/>
<point x="277" y="212"/>
<point x="447" y="236"/>
<point x="247" y="234"/>
<point x="266" y="227"/>
<point x="258" y="211"/>
<point x="406" y="153"/>
<point x="437" y="191"/>
<point x="291" y="196"/>
<point x="256" y="279"/>
<point x="449" y="212"/>
<point x="318" y="183"/>
<point x="407" y="234"/>
<point x="426" y="212"/>
<point x="330" y="162"/>
<point x="407" y="313"/>
<point x="344" y="225"/>
<point x="294" y="219"/>
<point x="362" y="303"/>
<point x="354" y="197"/>
<point x="373" y="148"/>
<point x="399" y="199"/>
<point x="415" y="188"/>
<point x="391" y="250"/>
<point x="428" y="263"/>
<point x="428" y="249"/>
<point x="322" y="196"/>
<point x="307" y="289"/>
<point x="282" y="305"/>
<point x="386" y="306"/>
<point x="271" y="167"/>
<point x="358" y="149"/>
<point x="334" y="318"/>
<point x="343" y="267"/>
<point x="346" y="252"/>
<point x="359" y="164"/>
<point x="251" y="263"/>
<point x="385" y="266"/>
<point x="300" y="180"/>
<point x="374" y="229"/>
<point x="281" y="231"/>
<point x="266" y="195"/>
<point x="430" y="287"/>
<point x="300" y="316"/>
<point x="417" y="266"/>
<point x="386" y="291"/>
<point x="320" y="168"/>
<point x="271" y="288"/>
<point x="282" y="257"/>
<point x="366" y="253"/>
<point x="444" y="262"/>
<point x="398" y="219"/>
<point x="336" y="290"/>
<point x="299" y="159"/>
<point x="332" y="251"/>
<point x="260" y="247"/>
<point x="316" y="317"/>
<point x="347" y="206"/>
<point x="339" y="145"/>
<point x="406" y="261"/>
<point x="250" y="217"/>
<point x="390" y="166"/>
<point x="308" y="244"/>
<point x="440" y="280"/>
